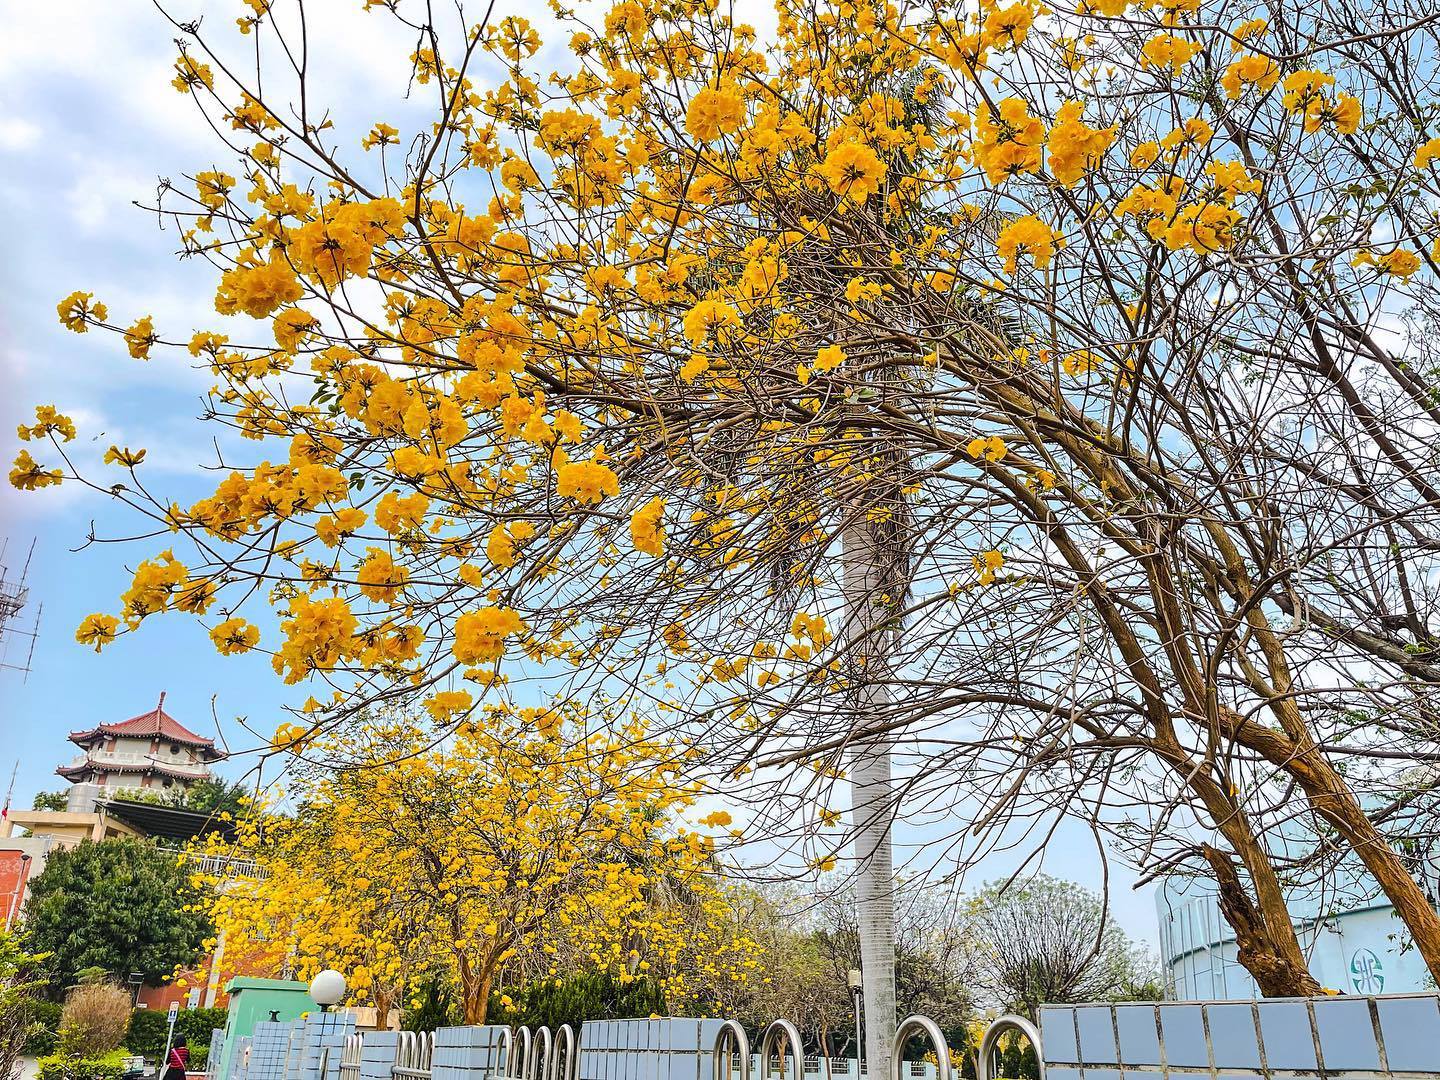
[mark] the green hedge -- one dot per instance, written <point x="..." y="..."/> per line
<point x="146" y="1034"/>
<point x="63" y="1067"/>
<point x="593" y="995"/>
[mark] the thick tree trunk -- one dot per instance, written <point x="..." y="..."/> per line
<point x="1265" y="935"/>
<point x="474" y="989"/>
<point x="1276" y="974"/>
<point x="1272" y="954"/>
<point x="1333" y="801"/>
<point x="1298" y="753"/>
<point x="865" y="577"/>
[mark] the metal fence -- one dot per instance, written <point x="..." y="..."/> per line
<point x="1395" y="1037"/>
<point x="350" y="1056"/>
<point x="413" y="1055"/>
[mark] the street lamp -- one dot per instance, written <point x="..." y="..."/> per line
<point x="327" y="988"/>
<point x="857" y="984"/>
<point x="19" y="892"/>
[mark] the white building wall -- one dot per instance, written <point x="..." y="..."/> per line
<point x="1356" y="951"/>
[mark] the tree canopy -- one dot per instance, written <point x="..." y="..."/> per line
<point x="21" y="984"/>
<point x="210" y="795"/>
<point x="1040" y="402"/>
<point x="1049" y="941"/>
<point x="122" y="905"/>
<point x="510" y="857"/>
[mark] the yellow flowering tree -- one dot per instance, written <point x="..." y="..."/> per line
<point x="1044" y="396"/>
<point x="506" y="854"/>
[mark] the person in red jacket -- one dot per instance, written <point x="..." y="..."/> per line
<point x="178" y="1061"/>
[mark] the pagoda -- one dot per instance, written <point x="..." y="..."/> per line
<point x="152" y="751"/>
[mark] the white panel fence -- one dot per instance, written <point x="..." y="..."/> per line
<point x="1395" y="1037"/>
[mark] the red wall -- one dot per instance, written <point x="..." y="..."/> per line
<point x="259" y="962"/>
<point x="14" y="872"/>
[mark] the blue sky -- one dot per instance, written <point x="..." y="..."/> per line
<point x="88" y="122"/>
<point x="88" y="125"/>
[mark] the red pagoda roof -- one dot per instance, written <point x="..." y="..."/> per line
<point x="156" y="724"/>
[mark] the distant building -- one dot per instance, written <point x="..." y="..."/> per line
<point x="1351" y="938"/>
<point x="110" y="797"/>
<point x="149" y="752"/>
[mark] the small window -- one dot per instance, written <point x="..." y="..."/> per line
<point x="165" y="783"/>
<point x="174" y="748"/>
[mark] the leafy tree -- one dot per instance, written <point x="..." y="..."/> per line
<point x="50" y="800"/>
<point x="1045" y="394"/>
<point x="430" y="1004"/>
<point x="211" y="795"/>
<point x="122" y="905"/>
<point x="931" y="954"/>
<point x="513" y="856"/>
<point x="20" y="985"/>
<point x="1050" y="941"/>
<point x="148" y="1028"/>
<point x="214" y="795"/>
<point x="590" y="995"/>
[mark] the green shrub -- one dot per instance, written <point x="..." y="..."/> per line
<point x="66" y="1067"/>
<point x="41" y="1042"/>
<point x="593" y="995"/>
<point x="146" y="1034"/>
<point x="43" y="1037"/>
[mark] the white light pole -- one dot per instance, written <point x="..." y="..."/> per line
<point x="857" y="985"/>
<point x="326" y="990"/>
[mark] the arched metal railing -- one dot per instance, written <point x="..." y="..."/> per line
<point x="542" y="1052"/>
<point x="778" y="1030"/>
<point x="730" y="1041"/>
<point x="505" y="1062"/>
<point x="413" y="1054"/>
<point x="564" y="1063"/>
<point x="350" y="1056"/>
<point x="990" y="1042"/>
<point x="526" y="1053"/>
<point x="921" y="1025"/>
<point x="520" y="1066"/>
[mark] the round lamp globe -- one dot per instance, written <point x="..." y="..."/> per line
<point x="327" y="988"/>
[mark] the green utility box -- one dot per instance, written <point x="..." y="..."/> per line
<point x="254" y="1001"/>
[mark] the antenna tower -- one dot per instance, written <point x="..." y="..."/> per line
<point x="16" y="642"/>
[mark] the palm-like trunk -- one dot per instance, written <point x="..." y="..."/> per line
<point x="875" y="903"/>
<point x="871" y="593"/>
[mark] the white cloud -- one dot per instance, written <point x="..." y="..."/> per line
<point x="17" y="133"/>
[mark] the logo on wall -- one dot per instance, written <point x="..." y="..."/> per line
<point x="1367" y="974"/>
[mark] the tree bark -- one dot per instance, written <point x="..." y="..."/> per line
<point x="1333" y="801"/>
<point x="864" y="574"/>
<point x="1298" y="753"/>
<point x="1226" y="813"/>
<point x="1276" y="974"/>
<point x="474" y="989"/>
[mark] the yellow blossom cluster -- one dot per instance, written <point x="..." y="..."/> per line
<point x="525" y="846"/>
